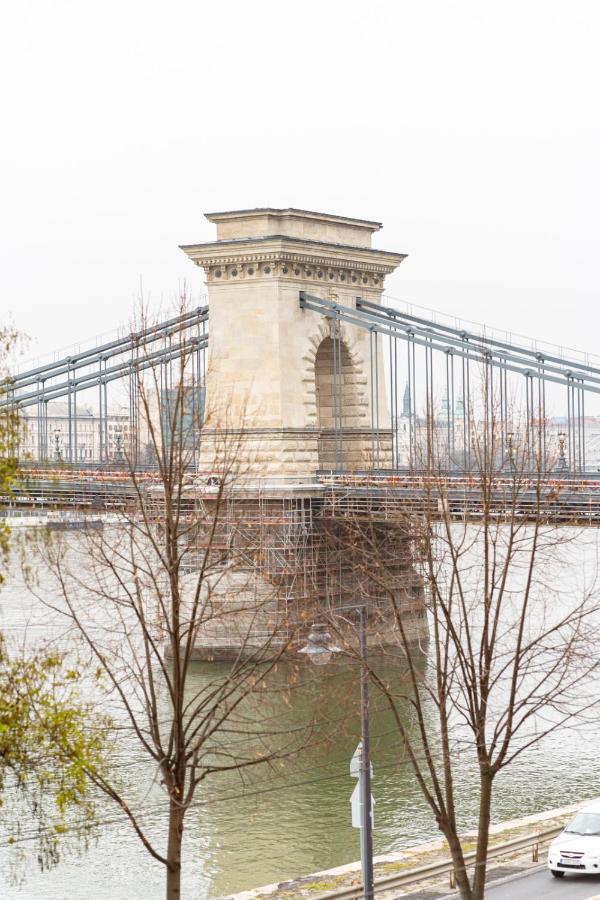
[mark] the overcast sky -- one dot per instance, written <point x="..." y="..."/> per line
<point x="469" y="128"/>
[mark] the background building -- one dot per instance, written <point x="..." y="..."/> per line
<point x="60" y="438"/>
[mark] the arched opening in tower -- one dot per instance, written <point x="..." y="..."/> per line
<point x="338" y="406"/>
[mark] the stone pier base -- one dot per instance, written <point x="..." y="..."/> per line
<point x="282" y="556"/>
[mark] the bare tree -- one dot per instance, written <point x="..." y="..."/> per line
<point x="512" y="652"/>
<point x="172" y="582"/>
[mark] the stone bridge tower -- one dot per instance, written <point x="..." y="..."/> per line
<point x="287" y="549"/>
<point x="271" y="363"/>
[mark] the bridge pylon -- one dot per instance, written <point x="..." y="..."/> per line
<point x="294" y="393"/>
<point x="300" y="392"/>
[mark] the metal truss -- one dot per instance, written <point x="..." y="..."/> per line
<point x="447" y="387"/>
<point x="481" y="373"/>
<point x="120" y="360"/>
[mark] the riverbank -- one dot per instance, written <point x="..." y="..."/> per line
<point x="320" y="884"/>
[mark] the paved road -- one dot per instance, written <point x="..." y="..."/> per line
<point x="540" y="885"/>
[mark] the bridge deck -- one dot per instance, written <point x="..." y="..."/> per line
<point x="384" y="497"/>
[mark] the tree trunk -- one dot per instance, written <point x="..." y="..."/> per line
<point x="176" y="814"/>
<point x="483" y="835"/>
<point x="460" y="871"/>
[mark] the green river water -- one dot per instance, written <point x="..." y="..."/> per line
<point x="282" y="822"/>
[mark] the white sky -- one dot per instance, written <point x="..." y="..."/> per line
<point x="469" y="128"/>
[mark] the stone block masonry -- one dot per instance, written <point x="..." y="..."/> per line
<point x="271" y="364"/>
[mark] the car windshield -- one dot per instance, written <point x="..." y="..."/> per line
<point x="584" y="823"/>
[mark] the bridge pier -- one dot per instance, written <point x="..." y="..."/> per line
<point x="289" y="393"/>
<point x="283" y="556"/>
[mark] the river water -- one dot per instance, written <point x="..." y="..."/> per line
<point x="282" y="822"/>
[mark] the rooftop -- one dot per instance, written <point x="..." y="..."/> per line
<point x="290" y="210"/>
<point x="302" y="224"/>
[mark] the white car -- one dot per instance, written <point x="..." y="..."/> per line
<point x="577" y="848"/>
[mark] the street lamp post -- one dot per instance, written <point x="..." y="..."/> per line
<point x="319" y="649"/>
<point x="562" y="459"/>
<point x="118" y="444"/>
<point x="366" y="831"/>
<point x="510" y="446"/>
<point x="57" y="451"/>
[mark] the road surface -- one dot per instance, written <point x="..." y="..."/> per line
<point x="540" y="885"/>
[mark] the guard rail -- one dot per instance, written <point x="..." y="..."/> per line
<point x="445" y="867"/>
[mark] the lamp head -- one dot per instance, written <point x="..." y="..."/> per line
<point x="319" y="645"/>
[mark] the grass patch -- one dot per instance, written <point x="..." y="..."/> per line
<point x="415" y="859"/>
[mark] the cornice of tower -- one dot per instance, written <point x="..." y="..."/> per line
<point x="282" y="256"/>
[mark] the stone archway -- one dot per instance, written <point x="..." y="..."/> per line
<point x="339" y="406"/>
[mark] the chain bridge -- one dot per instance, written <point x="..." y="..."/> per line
<point x="324" y="377"/>
<point x="345" y="406"/>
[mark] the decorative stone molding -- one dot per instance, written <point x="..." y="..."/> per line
<point x="282" y="258"/>
<point x="267" y="267"/>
